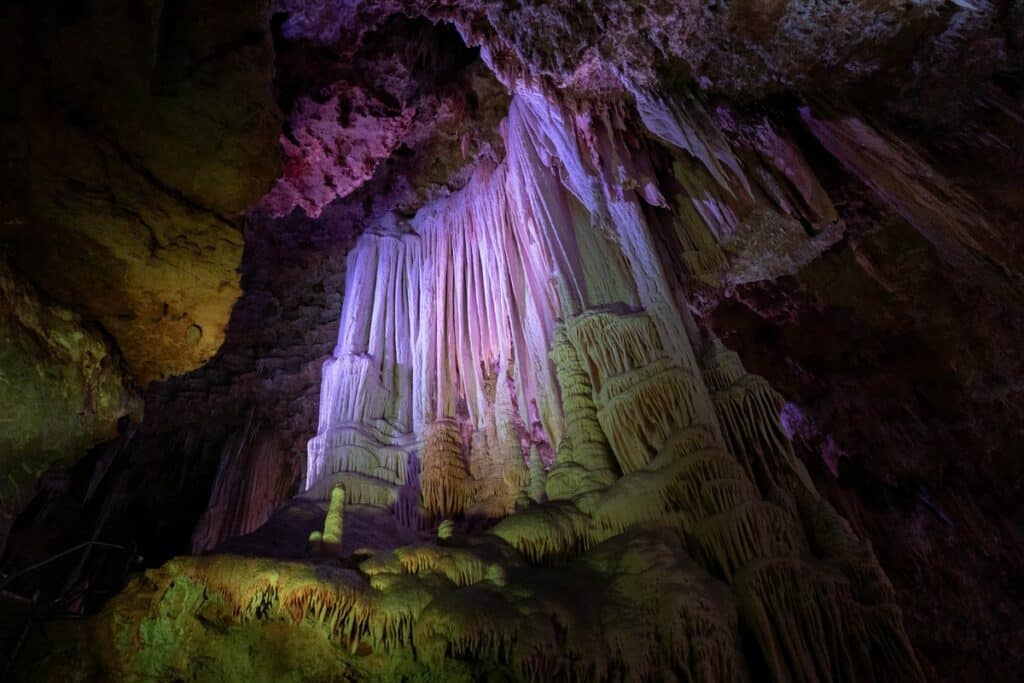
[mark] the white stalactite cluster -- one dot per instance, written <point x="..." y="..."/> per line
<point x="442" y="312"/>
<point x="539" y="294"/>
<point x="746" y="199"/>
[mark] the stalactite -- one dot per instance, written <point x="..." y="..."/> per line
<point x="683" y="606"/>
<point x="639" y="419"/>
<point x="642" y="395"/>
<point x="731" y="539"/>
<point x="810" y="628"/>
<point x="252" y="481"/>
<point x="510" y="454"/>
<point x="477" y="281"/>
<point x="364" y="490"/>
<point x="407" y="508"/>
<point x="615" y="345"/>
<point x="544" y="532"/>
<point x="834" y="541"/>
<point x="475" y="623"/>
<point x="787" y="177"/>
<point x="686" y="125"/>
<point x="497" y="469"/>
<point x="458" y="330"/>
<point x="444" y="482"/>
<point x="937" y="208"/>
<point x="749" y="206"/>
<point x="398" y="601"/>
<point x="538" y="476"/>
<point x="460" y="566"/>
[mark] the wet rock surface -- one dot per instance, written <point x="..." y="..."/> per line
<point x="139" y="136"/>
<point x="904" y="403"/>
<point x="853" y="168"/>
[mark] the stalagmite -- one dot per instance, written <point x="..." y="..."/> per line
<point x="584" y="462"/>
<point x="333" y="525"/>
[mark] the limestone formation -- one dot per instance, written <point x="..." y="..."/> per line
<point x="444" y="482"/>
<point x="534" y="458"/>
<point x="538" y="477"/>
<point x="540" y="285"/>
<point x="584" y="461"/>
<point x="334" y="524"/>
<point x="452" y="316"/>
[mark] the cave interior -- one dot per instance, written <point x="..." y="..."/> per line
<point x="501" y="340"/>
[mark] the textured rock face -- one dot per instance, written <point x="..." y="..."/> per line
<point x="134" y="138"/>
<point x="406" y="90"/>
<point x="522" y="337"/>
<point x="905" y="406"/>
<point x="740" y="48"/>
<point x="219" y="448"/>
<point x="144" y="132"/>
<point x="63" y="388"/>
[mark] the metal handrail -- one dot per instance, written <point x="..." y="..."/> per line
<point x="6" y="580"/>
<point x="27" y="570"/>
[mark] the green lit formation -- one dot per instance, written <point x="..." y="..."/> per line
<point x="599" y="490"/>
<point x="654" y="577"/>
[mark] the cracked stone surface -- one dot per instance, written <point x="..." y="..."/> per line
<point x="140" y="142"/>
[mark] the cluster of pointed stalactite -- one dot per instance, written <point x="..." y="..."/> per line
<point x="441" y="310"/>
<point x="534" y="306"/>
<point x="811" y="592"/>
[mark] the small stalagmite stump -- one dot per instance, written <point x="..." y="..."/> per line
<point x="316" y="542"/>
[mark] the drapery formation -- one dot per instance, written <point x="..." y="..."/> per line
<point x="537" y="312"/>
<point x="452" y="316"/>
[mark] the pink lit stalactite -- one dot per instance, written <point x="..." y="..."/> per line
<point x="476" y="282"/>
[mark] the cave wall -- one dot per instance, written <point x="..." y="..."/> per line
<point x="885" y="308"/>
<point x="135" y="137"/>
<point x="142" y="135"/>
<point x="194" y="447"/>
<point x="63" y="384"/>
<point x="899" y="372"/>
